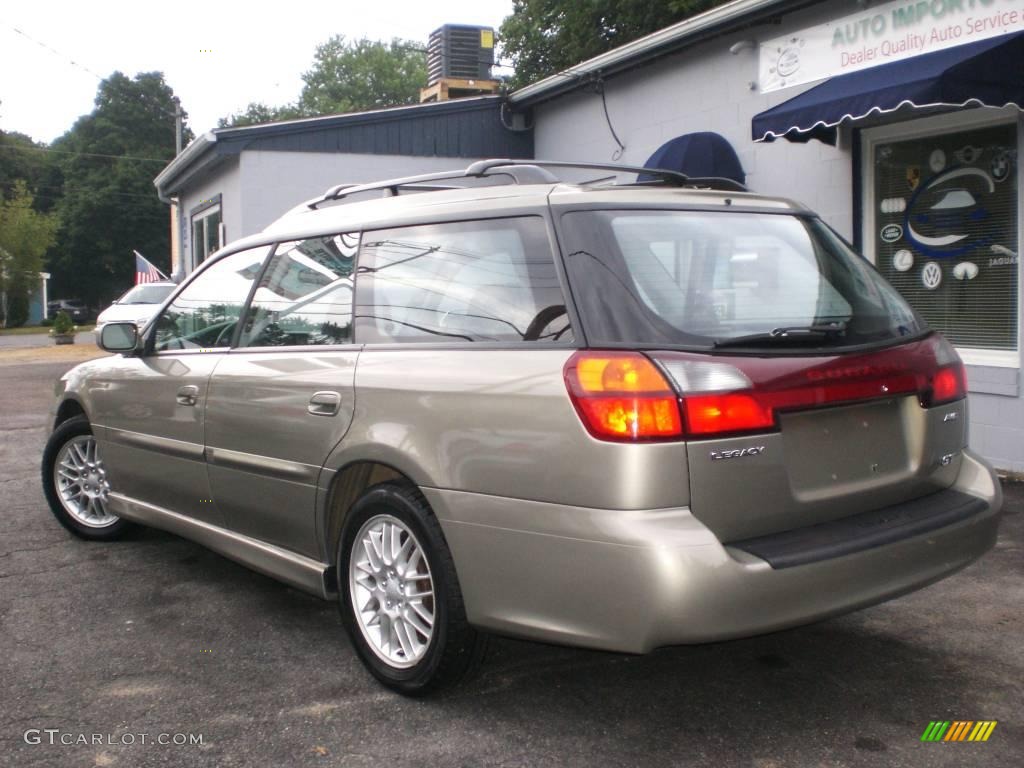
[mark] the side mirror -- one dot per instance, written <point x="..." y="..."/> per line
<point x="119" y="337"/>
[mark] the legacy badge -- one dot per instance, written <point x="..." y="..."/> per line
<point x="736" y="453"/>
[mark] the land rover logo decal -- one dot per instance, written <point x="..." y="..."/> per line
<point x="891" y="233"/>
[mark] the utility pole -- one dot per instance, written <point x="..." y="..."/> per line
<point x="177" y="268"/>
<point x="178" y="125"/>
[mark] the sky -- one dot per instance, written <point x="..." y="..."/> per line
<point x="217" y="57"/>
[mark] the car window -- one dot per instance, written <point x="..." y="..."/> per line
<point x="305" y="295"/>
<point x="205" y="313"/>
<point x="702" y="278"/>
<point x="476" y="281"/>
<point x="146" y="294"/>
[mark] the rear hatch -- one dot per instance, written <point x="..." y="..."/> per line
<point x="807" y="389"/>
<point x="776" y="443"/>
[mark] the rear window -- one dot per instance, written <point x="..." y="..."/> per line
<point x="698" y="278"/>
<point x="146" y="294"/>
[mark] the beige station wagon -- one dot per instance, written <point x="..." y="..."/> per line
<point x="611" y="415"/>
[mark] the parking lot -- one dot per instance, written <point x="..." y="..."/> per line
<point x="156" y="636"/>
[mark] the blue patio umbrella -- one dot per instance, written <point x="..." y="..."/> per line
<point x="697" y="154"/>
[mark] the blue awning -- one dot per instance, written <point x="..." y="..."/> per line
<point x="987" y="73"/>
<point x="697" y="154"/>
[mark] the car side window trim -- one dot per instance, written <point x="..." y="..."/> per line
<point x="151" y="335"/>
<point x="553" y="251"/>
<point x="250" y="310"/>
<point x="243" y="318"/>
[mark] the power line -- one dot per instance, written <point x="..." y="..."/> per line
<point x="58" y="54"/>
<point x="86" y="154"/>
<point x="55" y="52"/>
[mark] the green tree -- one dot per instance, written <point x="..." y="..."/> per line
<point x="257" y="112"/>
<point x="25" y="235"/>
<point x="348" y="76"/>
<point x="543" y="37"/>
<point x="364" y="74"/>
<point x="109" y="208"/>
<point x="21" y="158"/>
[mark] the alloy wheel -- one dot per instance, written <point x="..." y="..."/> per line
<point x="81" y="482"/>
<point x="392" y="591"/>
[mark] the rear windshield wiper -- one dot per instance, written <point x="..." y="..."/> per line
<point x="795" y="334"/>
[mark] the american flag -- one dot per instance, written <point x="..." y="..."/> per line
<point x="146" y="272"/>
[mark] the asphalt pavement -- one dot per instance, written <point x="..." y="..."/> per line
<point x="108" y="649"/>
<point x="27" y="340"/>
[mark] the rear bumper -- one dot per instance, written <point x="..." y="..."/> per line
<point x="636" y="580"/>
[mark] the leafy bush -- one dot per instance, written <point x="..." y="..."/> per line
<point x="62" y="324"/>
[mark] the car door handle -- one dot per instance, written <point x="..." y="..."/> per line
<point x="324" y="403"/>
<point x="188" y="395"/>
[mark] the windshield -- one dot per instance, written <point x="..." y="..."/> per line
<point x="700" y="279"/>
<point x="146" y="294"/>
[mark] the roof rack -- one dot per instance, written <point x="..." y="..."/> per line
<point x="523" y="172"/>
<point x="720" y="183"/>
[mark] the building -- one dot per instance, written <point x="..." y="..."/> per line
<point x="232" y="182"/>
<point x="37" y="298"/>
<point x="899" y="122"/>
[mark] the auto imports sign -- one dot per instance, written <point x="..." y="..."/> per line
<point x="881" y="34"/>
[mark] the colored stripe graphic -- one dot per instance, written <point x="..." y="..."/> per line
<point x="959" y="730"/>
<point x="983" y="730"/>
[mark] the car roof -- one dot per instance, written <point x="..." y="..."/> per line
<point x="418" y="200"/>
<point x="482" y="202"/>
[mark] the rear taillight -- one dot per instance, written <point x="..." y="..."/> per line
<point x="948" y="384"/>
<point x="627" y="396"/>
<point x="733" y="412"/>
<point x="622" y="396"/>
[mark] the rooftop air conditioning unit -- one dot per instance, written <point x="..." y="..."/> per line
<point x="459" y="51"/>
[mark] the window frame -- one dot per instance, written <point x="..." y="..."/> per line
<point x="924" y="127"/>
<point x="578" y="340"/>
<point x="247" y="309"/>
<point x="200" y="214"/>
<point x="271" y="243"/>
<point x="150" y="331"/>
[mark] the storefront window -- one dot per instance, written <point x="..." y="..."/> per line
<point x="945" y="208"/>
<point x="206" y="234"/>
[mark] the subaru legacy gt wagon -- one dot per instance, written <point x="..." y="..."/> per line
<point x="610" y="415"/>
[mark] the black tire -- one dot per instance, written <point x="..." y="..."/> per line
<point x="454" y="647"/>
<point x="68" y="431"/>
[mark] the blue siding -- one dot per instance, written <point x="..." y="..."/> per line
<point x="466" y="128"/>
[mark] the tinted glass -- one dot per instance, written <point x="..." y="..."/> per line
<point x="305" y="295"/>
<point x="698" y="278"/>
<point x="212" y="233"/>
<point x="198" y="242"/>
<point x="481" y="281"/>
<point x="206" y="234"/>
<point x="204" y="315"/>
